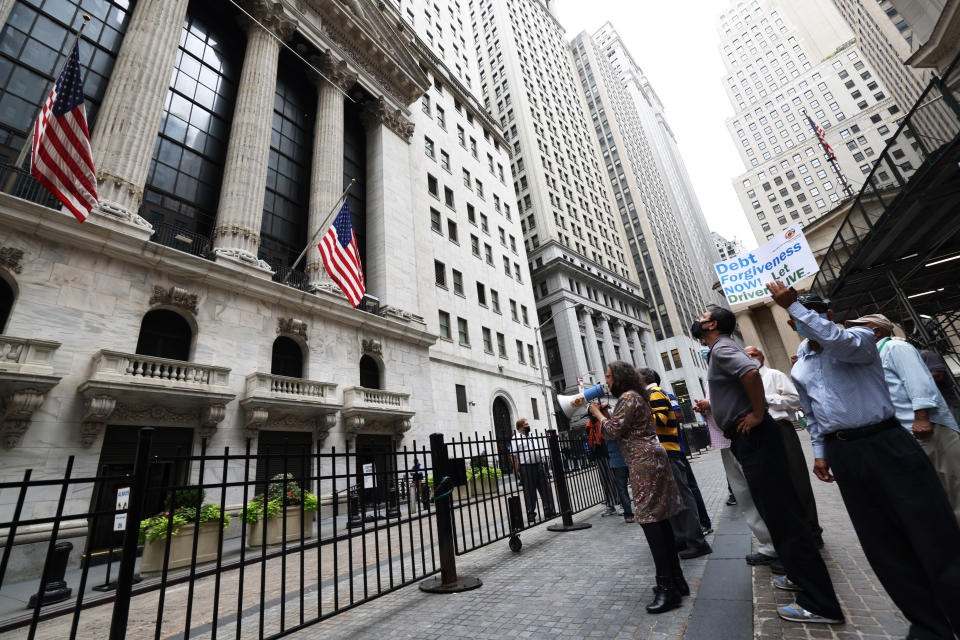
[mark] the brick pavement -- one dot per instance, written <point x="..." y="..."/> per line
<point x="869" y="612"/>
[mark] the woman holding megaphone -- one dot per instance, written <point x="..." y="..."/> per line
<point x="655" y="494"/>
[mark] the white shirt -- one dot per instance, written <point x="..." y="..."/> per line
<point x="782" y="397"/>
<point x="525" y="448"/>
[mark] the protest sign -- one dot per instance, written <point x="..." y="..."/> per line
<point x="786" y="257"/>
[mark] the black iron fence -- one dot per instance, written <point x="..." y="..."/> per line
<point x="18" y="182"/>
<point x="259" y="545"/>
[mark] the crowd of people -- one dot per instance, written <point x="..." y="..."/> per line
<point x="883" y="427"/>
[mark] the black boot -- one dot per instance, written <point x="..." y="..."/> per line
<point x="665" y="596"/>
<point x="681" y="583"/>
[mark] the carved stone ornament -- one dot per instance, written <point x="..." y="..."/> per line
<point x="354" y="424"/>
<point x="372" y="346"/>
<point x="335" y="71"/>
<point x="114" y="210"/>
<point x="174" y="297"/>
<point x="97" y="409"/>
<point x="243" y="256"/>
<point x="18" y="407"/>
<point x="376" y="112"/>
<point x="210" y="417"/>
<point x="270" y="14"/>
<point x="10" y="258"/>
<point x="292" y="326"/>
<point x="154" y="413"/>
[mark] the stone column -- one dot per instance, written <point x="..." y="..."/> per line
<point x="639" y="359"/>
<point x="608" y="351"/>
<point x="650" y="348"/>
<point x="5" y="7"/>
<point x="239" y="214"/>
<point x="568" y="339"/>
<point x="326" y="173"/>
<point x="593" y="352"/>
<point x="125" y="134"/>
<point x="391" y="215"/>
<point x="624" y="345"/>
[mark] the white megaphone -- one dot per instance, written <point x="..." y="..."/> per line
<point x="571" y="404"/>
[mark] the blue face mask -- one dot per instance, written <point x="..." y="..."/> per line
<point x="705" y="352"/>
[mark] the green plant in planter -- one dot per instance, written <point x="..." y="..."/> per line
<point x="283" y="491"/>
<point x="486" y="473"/>
<point x="183" y="507"/>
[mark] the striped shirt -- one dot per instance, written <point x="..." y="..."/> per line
<point x="666" y="423"/>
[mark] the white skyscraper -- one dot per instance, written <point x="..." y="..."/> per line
<point x="666" y="231"/>
<point x="786" y="61"/>
<point x="588" y="302"/>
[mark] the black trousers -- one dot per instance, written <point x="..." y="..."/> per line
<point x="535" y="481"/>
<point x="697" y="496"/>
<point x="800" y="473"/>
<point x="622" y="476"/>
<point x="764" y="461"/>
<point x="607" y="482"/>
<point x="905" y="525"/>
<point x="686" y="524"/>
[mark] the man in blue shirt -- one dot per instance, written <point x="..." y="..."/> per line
<point x="920" y="407"/>
<point x="897" y="506"/>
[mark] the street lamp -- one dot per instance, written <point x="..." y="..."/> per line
<point x="543" y="382"/>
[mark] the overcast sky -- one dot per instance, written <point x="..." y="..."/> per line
<point x="675" y="43"/>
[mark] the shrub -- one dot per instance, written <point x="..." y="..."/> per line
<point x="283" y="491"/>
<point x="180" y="509"/>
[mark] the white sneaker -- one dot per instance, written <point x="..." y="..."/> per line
<point x="609" y="512"/>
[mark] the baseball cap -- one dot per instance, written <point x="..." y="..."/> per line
<point x="878" y="319"/>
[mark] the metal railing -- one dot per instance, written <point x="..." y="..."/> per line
<point x="297" y="279"/>
<point x="182" y="240"/>
<point x="265" y="557"/>
<point x="19" y="183"/>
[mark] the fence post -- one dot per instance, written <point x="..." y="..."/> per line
<point x="563" y="494"/>
<point x="448" y="581"/>
<point x="128" y="557"/>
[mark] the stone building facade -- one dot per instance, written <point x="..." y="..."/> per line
<point x="220" y="153"/>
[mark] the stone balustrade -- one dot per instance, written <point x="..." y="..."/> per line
<point x="135" y="368"/>
<point x="365" y="408"/>
<point x="23" y="354"/>
<point x="259" y="383"/>
<point x="26" y="375"/>
<point x="363" y="398"/>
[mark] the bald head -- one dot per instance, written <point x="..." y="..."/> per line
<point x="756" y="354"/>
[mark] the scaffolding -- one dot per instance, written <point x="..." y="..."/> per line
<point x="897" y="252"/>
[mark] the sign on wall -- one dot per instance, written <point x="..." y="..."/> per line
<point x="786" y="257"/>
<point x="123" y="502"/>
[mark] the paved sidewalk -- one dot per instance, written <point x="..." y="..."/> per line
<point x="584" y="584"/>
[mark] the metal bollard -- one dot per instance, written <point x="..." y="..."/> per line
<point x="55" y="589"/>
<point x="563" y="494"/>
<point x="448" y="581"/>
<point x="354" y="510"/>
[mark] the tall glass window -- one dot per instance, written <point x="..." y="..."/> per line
<point x="183" y="186"/>
<point x="283" y="232"/>
<point x="355" y="166"/>
<point x="33" y="45"/>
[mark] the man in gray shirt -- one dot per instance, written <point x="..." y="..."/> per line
<point x="740" y="410"/>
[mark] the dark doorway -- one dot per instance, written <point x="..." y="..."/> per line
<point x="116" y="459"/>
<point x="284" y="451"/>
<point x="165" y="334"/>
<point x="503" y="428"/>
<point x="378" y="451"/>
<point x="369" y="373"/>
<point x="6" y="303"/>
<point x="287" y="358"/>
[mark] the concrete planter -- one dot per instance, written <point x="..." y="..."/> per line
<point x="275" y="528"/>
<point x="181" y="549"/>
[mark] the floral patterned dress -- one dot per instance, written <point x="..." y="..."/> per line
<point x="632" y="425"/>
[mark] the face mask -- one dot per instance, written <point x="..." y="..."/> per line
<point x="705" y="352"/>
<point x="696" y="329"/>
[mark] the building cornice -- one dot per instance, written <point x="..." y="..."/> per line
<point x="95" y="237"/>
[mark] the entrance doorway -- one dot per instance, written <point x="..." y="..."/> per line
<point x="116" y="459"/>
<point x="503" y="428"/>
<point x="378" y="451"/>
<point x="284" y="450"/>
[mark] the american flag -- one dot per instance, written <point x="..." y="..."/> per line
<point x="823" y="138"/>
<point x="338" y="248"/>
<point x="61" y="160"/>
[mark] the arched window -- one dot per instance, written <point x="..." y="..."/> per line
<point x="369" y="373"/>
<point x="165" y="334"/>
<point x="7" y="297"/>
<point x="287" y="358"/>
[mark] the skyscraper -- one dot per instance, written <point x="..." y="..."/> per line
<point x="575" y="243"/>
<point x="666" y="231"/>
<point x="786" y="62"/>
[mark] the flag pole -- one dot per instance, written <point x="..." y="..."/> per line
<point x="320" y="228"/>
<point x="831" y="156"/>
<point x="28" y="143"/>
